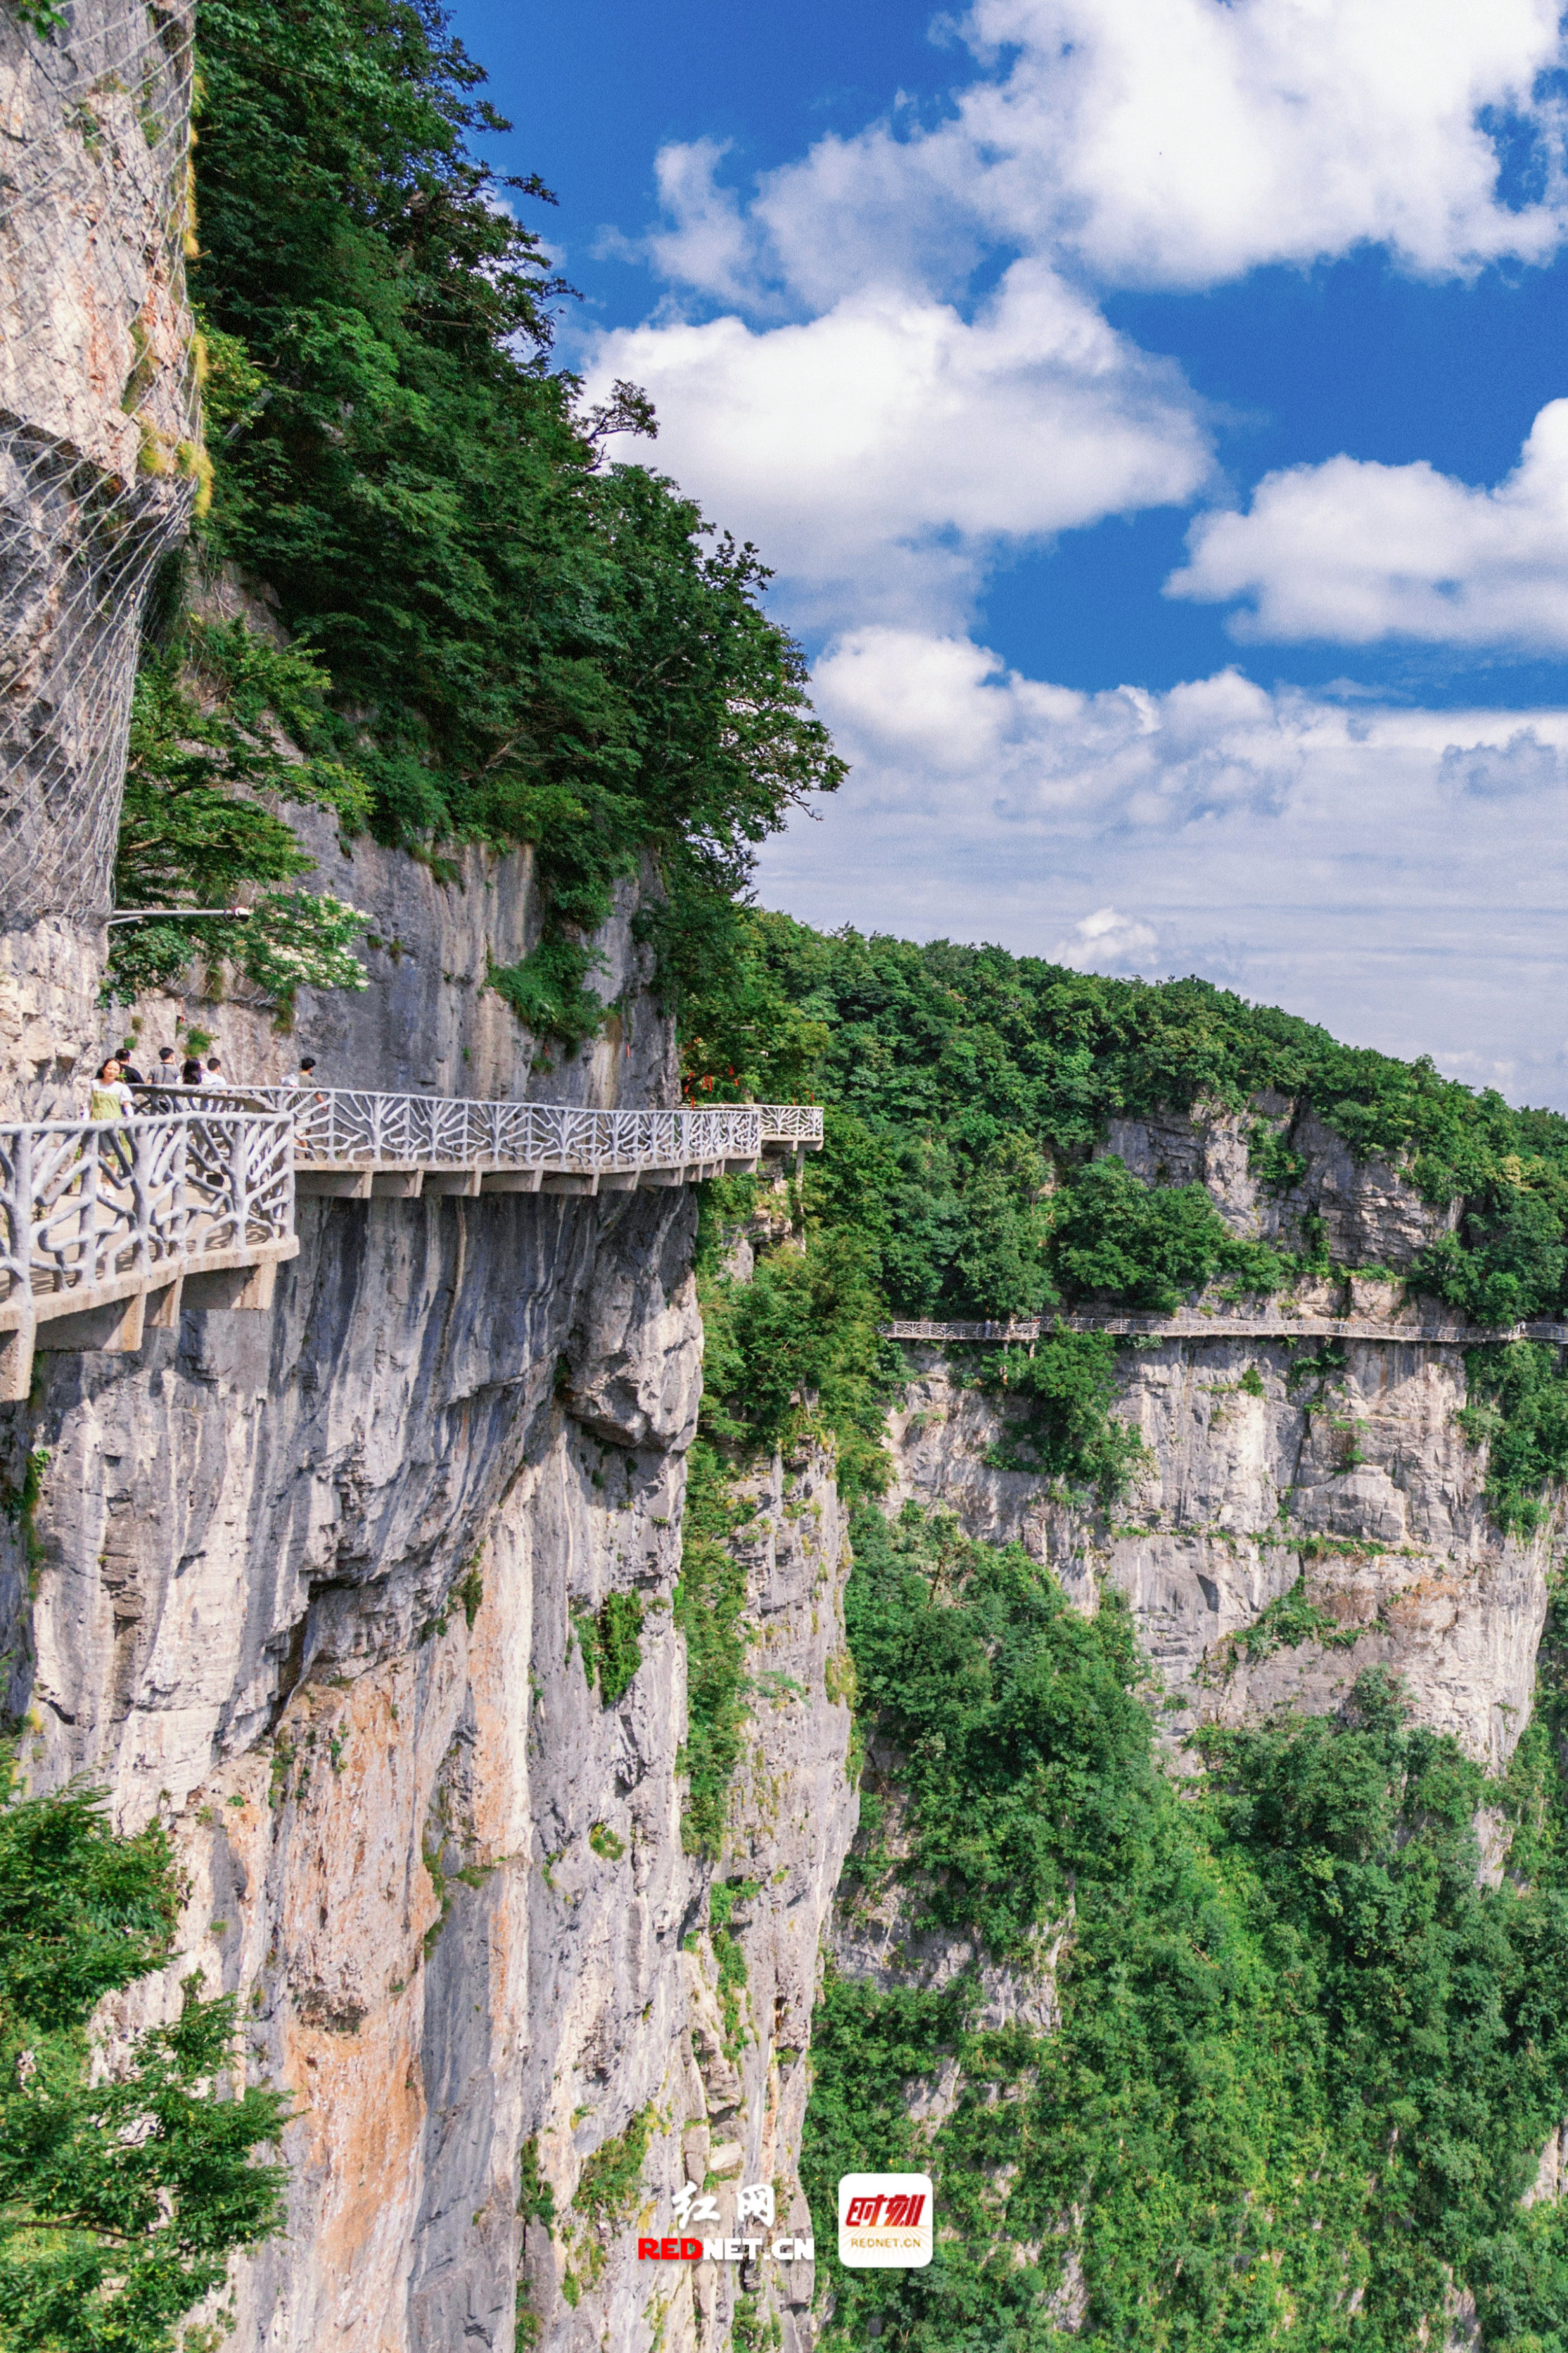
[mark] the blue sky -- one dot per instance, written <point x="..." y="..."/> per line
<point x="1147" y="405"/>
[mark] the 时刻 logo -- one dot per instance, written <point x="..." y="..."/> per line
<point x="693" y="2209"/>
<point x="884" y="2220"/>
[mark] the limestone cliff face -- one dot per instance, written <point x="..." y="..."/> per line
<point x="307" y="1589"/>
<point x="99" y="440"/>
<point x="428" y="1022"/>
<point x="318" y="1587"/>
<point x="1372" y="1214"/>
<point x="1361" y="1480"/>
<point x="792" y="1815"/>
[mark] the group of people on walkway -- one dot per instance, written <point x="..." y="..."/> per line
<point x="110" y="1096"/>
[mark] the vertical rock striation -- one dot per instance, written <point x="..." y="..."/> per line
<point x="1267" y="1462"/>
<point x="99" y="472"/>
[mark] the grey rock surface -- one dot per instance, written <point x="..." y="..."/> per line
<point x="308" y="1592"/>
<point x="428" y="1022"/>
<point x="1361" y="1480"/>
<point x="1369" y="1491"/>
<point x="99" y="426"/>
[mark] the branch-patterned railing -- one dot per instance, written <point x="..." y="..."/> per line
<point x="87" y="1204"/>
<point x="1446" y="1332"/>
<point x="792" y="1124"/>
<point x="348" y="1127"/>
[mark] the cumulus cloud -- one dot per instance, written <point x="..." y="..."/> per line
<point x="1502" y="771"/>
<point x="1175" y="142"/>
<point x="1108" y="941"/>
<point x="929" y="717"/>
<point x="1347" y="863"/>
<point x="879" y="454"/>
<point x="1355" y="551"/>
<point x="884" y="437"/>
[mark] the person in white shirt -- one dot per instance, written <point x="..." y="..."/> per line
<point x="110" y="1097"/>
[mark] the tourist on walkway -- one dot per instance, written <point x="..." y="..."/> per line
<point x="191" y="1071"/>
<point x="110" y="1097"/>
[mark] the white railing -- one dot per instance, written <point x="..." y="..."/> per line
<point x="1221" y="1324"/>
<point x="792" y="1124"/>
<point x="347" y="1127"/>
<point x="87" y="1205"/>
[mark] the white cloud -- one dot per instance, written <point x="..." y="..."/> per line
<point x="1356" y="552"/>
<point x="1348" y="864"/>
<point x="1503" y="771"/>
<point x="885" y="437"/>
<point x="927" y="718"/>
<point x="882" y="453"/>
<point x="1176" y="143"/>
<point x="706" y="240"/>
<point x="1108" y="941"/>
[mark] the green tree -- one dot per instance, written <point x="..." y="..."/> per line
<point x="211" y="701"/>
<point x="126" y="2180"/>
<point x="525" y="644"/>
<point x="1146" y="1244"/>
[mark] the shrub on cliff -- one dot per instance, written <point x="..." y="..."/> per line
<point x="127" y="2180"/>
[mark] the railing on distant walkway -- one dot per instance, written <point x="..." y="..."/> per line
<point x="95" y="1215"/>
<point x="1193" y="1325"/>
<point x="371" y="1141"/>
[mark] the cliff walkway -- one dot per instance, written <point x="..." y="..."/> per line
<point x="1197" y="1323"/>
<point x="107" y="1228"/>
<point x="357" y="1145"/>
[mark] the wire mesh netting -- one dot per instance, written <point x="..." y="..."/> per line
<point x="99" y="416"/>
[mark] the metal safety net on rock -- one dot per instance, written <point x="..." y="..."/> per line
<point x="99" y="416"/>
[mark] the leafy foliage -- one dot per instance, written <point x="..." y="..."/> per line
<point x="962" y="1081"/>
<point x="710" y="1599"/>
<point x="1304" y="2059"/>
<point x="196" y="830"/>
<point x="1519" y="1407"/>
<point x="44" y="17"/>
<point x="607" y="2185"/>
<point x="525" y="645"/>
<point x="1014" y="1711"/>
<point x="612" y="1651"/>
<point x="789" y="1355"/>
<point x="1120" y="1239"/>
<point x="795" y="1350"/>
<point x="123" y="2188"/>
<point x="1291" y="1619"/>
<point x="1068" y="1386"/>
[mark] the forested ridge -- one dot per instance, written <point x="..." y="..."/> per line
<point x="1305" y="2063"/>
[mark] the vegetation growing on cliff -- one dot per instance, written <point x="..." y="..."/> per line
<point x="967" y="1087"/>
<point x="523" y="643"/>
<point x="1519" y="1408"/>
<point x="1304" y="2061"/>
<point x="196" y="829"/>
<point x="126" y="2182"/>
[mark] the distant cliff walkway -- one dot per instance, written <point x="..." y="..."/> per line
<point x="1190" y="1324"/>
<point x="107" y="1228"/>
